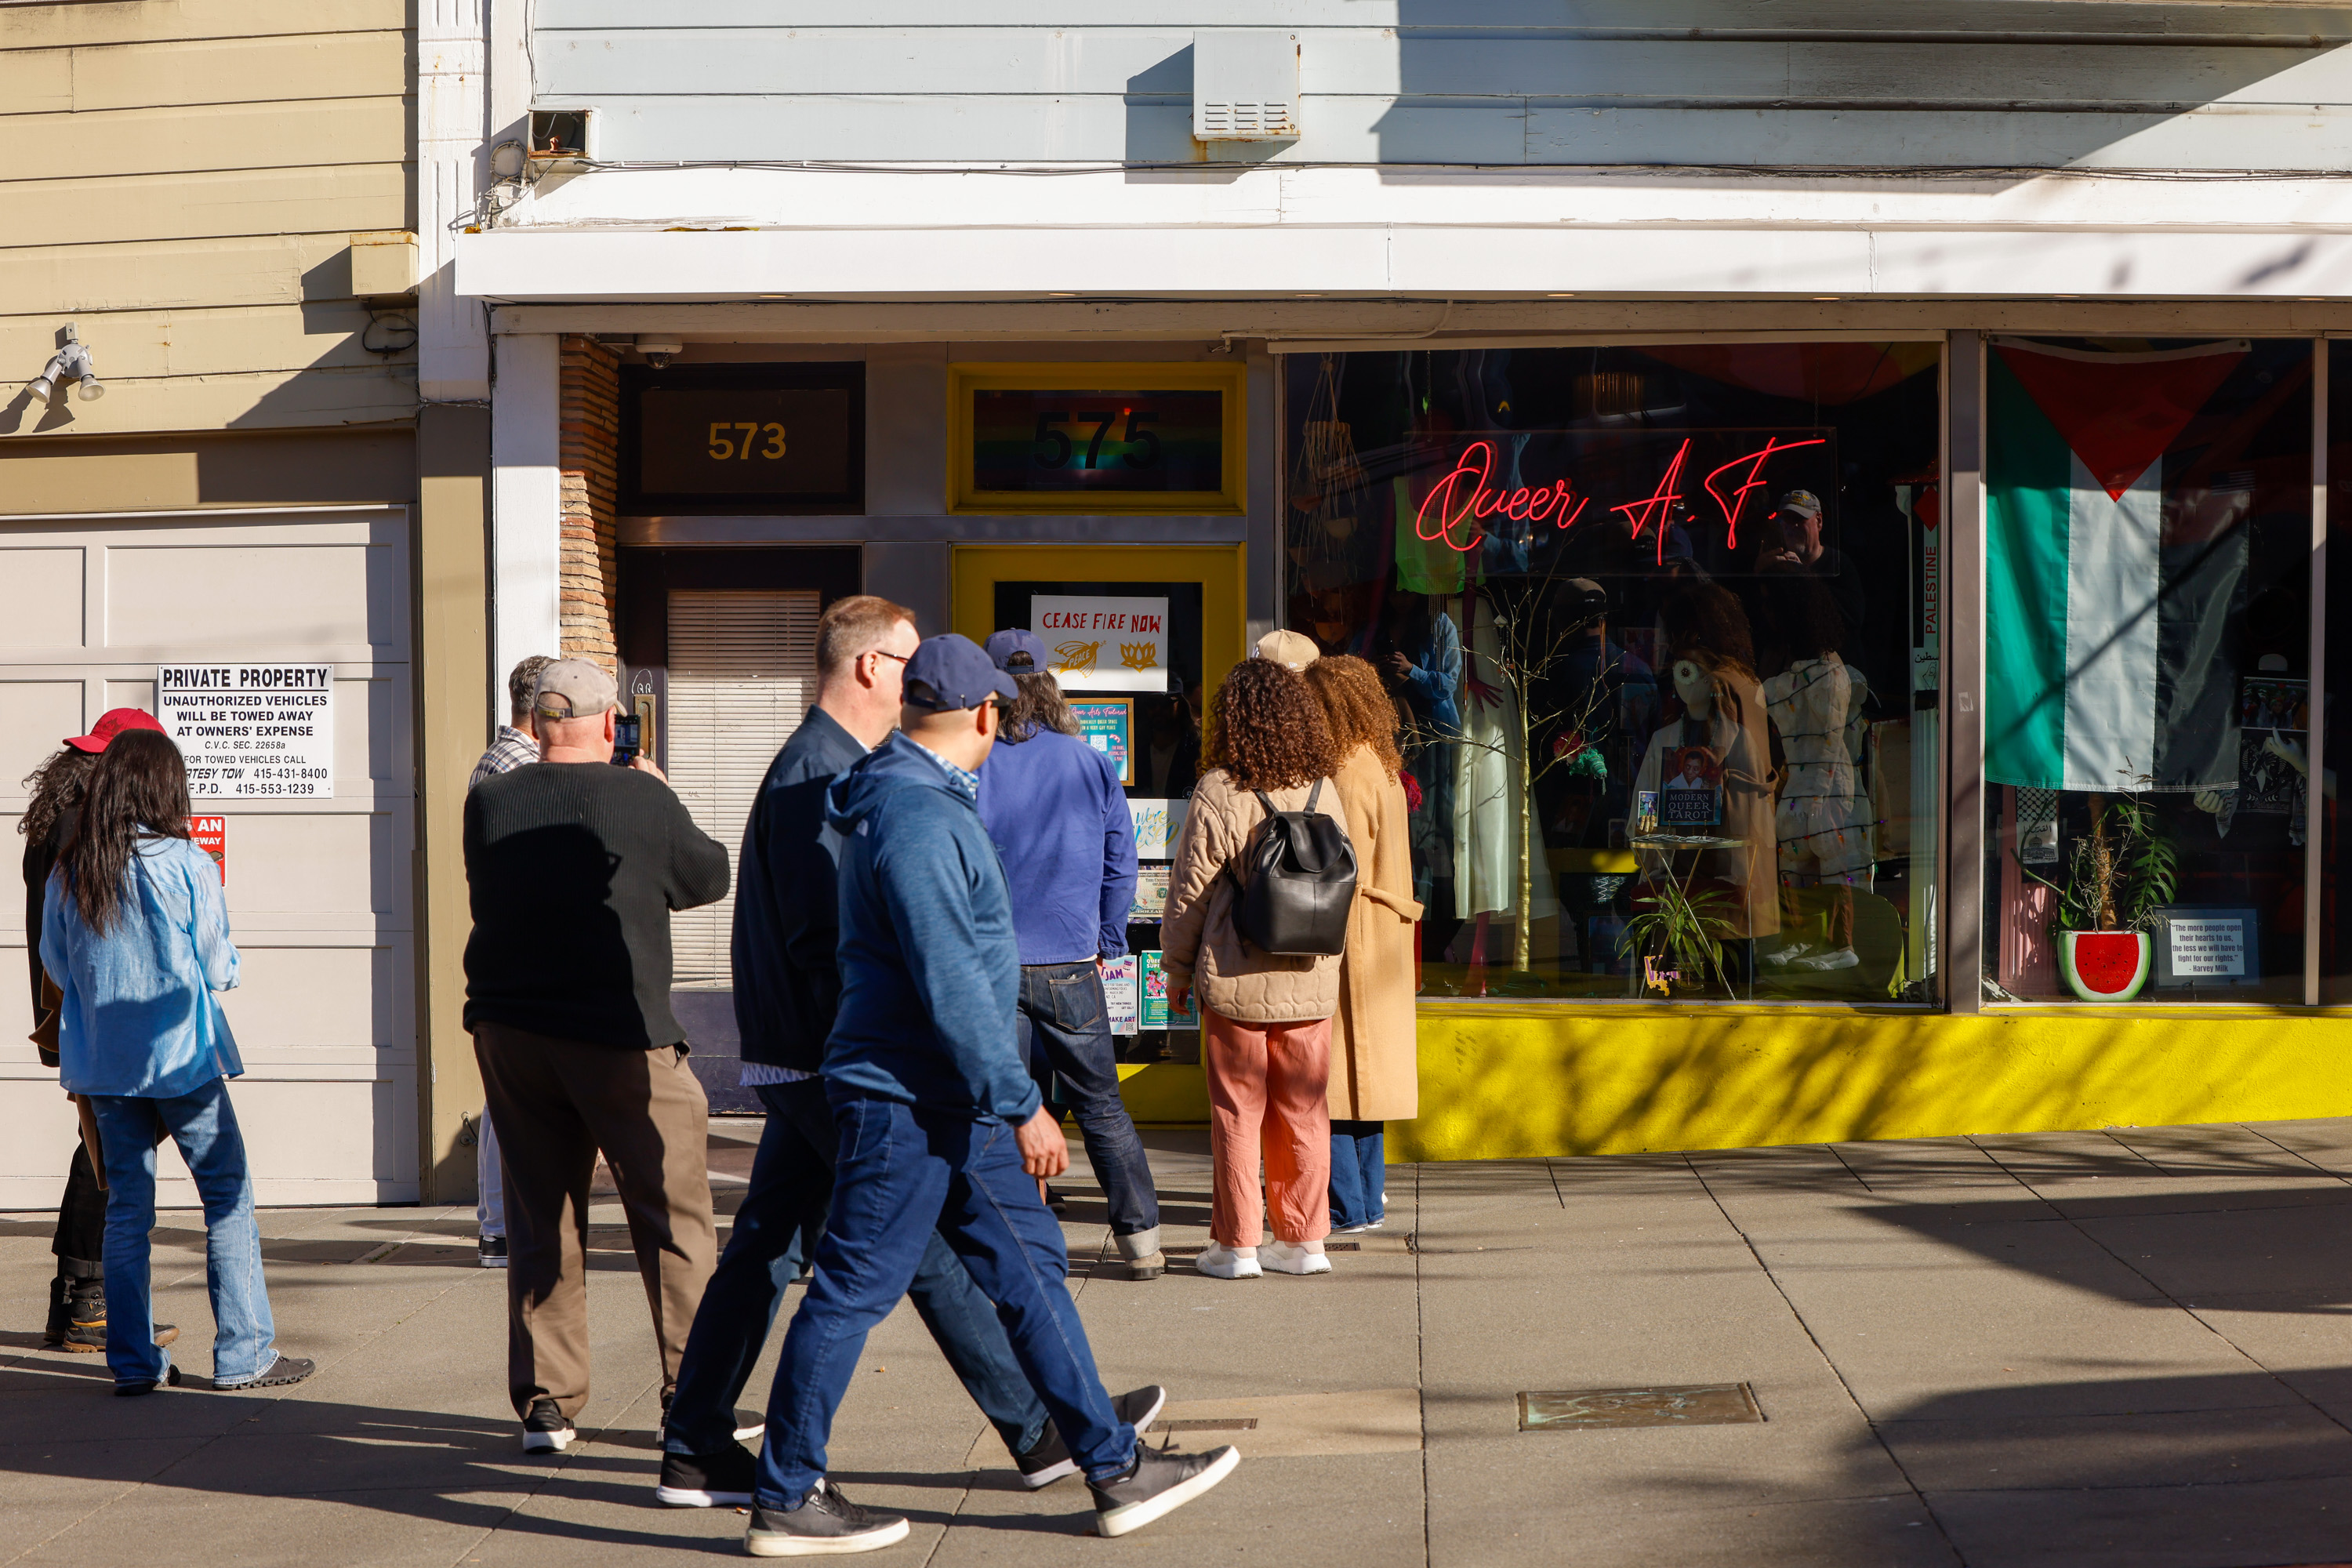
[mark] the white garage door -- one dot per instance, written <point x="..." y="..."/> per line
<point x="318" y="890"/>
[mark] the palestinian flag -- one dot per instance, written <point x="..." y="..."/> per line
<point x="2106" y="628"/>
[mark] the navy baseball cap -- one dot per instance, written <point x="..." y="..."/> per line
<point x="1013" y="643"/>
<point x="949" y="672"/>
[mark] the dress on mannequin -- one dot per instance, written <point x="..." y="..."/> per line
<point x="1824" y="818"/>
<point x="1490" y="787"/>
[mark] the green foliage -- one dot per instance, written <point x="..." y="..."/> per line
<point x="1687" y="929"/>
<point x="2120" y="872"/>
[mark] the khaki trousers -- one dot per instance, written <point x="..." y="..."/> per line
<point x="555" y="1103"/>
<point x="1268" y="1084"/>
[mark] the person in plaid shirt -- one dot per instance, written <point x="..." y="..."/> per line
<point x="517" y="743"/>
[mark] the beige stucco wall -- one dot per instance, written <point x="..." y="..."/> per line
<point x="184" y="181"/>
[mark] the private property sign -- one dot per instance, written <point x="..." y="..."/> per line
<point x="251" y="731"/>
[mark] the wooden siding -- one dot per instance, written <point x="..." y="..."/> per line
<point x="1821" y="83"/>
<point x="184" y="181"/>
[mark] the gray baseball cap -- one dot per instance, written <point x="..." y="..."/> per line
<point x="573" y="688"/>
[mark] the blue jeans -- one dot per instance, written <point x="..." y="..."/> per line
<point x="204" y="1124"/>
<point x="776" y="1227"/>
<point x="1065" y="1025"/>
<point x="1360" y="1173"/>
<point x="902" y="1173"/>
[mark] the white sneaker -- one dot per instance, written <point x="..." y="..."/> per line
<point x="1280" y="1255"/>
<point x="1837" y="958"/>
<point x="1219" y="1261"/>
<point x="1356" y="1229"/>
<point x="1788" y="952"/>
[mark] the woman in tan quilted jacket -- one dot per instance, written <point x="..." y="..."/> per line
<point x="1266" y="1019"/>
<point x="1375" y="1055"/>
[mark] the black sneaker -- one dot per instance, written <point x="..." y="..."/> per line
<point x="547" y="1430"/>
<point x="826" y="1523"/>
<point x="1156" y="1484"/>
<point x="286" y="1369"/>
<point x="78" y="1320"/>
<point x="722" y="1479"/>
<point x="1050" y="1460"/>
<point x="490" y="1251"/>
<point x="134" y="1390"/>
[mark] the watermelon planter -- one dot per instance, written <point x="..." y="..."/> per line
<point x="2104" y="965"/>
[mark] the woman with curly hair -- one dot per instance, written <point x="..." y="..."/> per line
<point x="1375" y="1059"/>
<point x="1266" y="1019"/>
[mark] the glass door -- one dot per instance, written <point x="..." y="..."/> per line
<point x="1137" y="636"/>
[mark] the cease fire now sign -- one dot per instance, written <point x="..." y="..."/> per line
<point x="251" y="731"/>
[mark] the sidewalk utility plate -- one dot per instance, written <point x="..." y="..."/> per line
<point x="1680" y="1404"/>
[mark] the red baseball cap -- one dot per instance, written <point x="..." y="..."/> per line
<point x="111" y="723"/>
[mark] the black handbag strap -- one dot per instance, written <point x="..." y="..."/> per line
<point x="1267" y="800"/>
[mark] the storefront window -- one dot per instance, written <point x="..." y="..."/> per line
<point x="2335" y="931"/>
<point x="1662" y="627"/>
<point x="2147" y="526"/>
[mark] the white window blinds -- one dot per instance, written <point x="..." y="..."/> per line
<point x="742" y="673"/>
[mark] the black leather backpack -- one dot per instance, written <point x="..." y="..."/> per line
<point x="1303" y="883"/>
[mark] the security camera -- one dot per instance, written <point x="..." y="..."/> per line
<point x="71" y="363"/>
<point x="659" y="352"/>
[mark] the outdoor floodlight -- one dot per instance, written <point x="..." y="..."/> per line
<point x="71" y="363"/>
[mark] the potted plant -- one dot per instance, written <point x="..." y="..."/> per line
<point x="1676" y="938"/>
<point x="2123" y="870"/>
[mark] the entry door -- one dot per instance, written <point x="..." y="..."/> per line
<point x="1138" y="635"/>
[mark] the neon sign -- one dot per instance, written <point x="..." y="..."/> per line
<point x="1465" y="496"/>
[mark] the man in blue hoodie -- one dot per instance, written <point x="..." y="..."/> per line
<point x="1053" y="807"/>
<point x="940" y="1125"/>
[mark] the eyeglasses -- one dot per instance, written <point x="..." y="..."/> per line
<point x="886" y="653"/>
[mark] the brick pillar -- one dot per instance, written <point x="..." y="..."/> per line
<point x="591" y="424"/>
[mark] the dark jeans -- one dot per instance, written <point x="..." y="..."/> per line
<point x="776" y="1229"/>
<point x="901" y="1174"/>
<point x="1064" y="1026"/>
<point x="1360" y="1173"/>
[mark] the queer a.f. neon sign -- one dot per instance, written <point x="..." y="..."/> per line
<point x="1465" y="496"/>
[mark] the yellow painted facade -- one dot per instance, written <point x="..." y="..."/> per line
<point x="1500" y="1082"/>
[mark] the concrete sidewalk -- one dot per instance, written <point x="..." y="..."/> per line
<point x="2129" y="1348"/>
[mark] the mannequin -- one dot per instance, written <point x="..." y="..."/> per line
<point x="1823" y="823"/>
<point x="1723" y="714"/>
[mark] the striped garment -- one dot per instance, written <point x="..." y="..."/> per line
<point x="510" y="751"/>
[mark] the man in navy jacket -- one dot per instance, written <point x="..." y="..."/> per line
<point x="1054" y="807"/>
<point x="787" y="988"/>
<point x="940" y="1125"/>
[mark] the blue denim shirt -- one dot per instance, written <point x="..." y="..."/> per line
<point x="138" y="1017"/>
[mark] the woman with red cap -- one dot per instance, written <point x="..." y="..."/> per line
<point x="78" y="1295"/>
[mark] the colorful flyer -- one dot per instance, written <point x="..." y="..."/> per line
<point x="1101" y="644"/>
<point x="1108" y="725"/>
<point x="1121" y="994"/>
<point x="1691" y="797"/>
<point x="1150" y="905"/>
<point x="1157" y="1014"/>
<point x="1156" y="824"/>
<point x="211" y="835"/>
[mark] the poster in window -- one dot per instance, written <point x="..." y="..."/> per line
<point x="1107" y="723"/>
<point x="2207" y="946"/>
<point x="1691" y="798"/>
<point x="1157" y="1013"/>
<point x="1150" y="904"/>
<point x="1095" y="643"/>
<point x="1121" y="995"/>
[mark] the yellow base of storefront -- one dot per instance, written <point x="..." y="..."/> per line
<point x="1501" y="1082"/>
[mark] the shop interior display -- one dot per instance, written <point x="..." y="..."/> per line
<point x="1560" y="559"/>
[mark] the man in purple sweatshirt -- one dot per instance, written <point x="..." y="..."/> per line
<point x="1053" y="807"/>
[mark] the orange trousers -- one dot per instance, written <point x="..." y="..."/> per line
<point x="1267" y="1086"/>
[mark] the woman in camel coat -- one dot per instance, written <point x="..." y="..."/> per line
<point x="1375" y="1061"/>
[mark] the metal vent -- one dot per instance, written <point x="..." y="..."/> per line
<point x="1244" y="85"/>
<point x="742" y="673"/>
